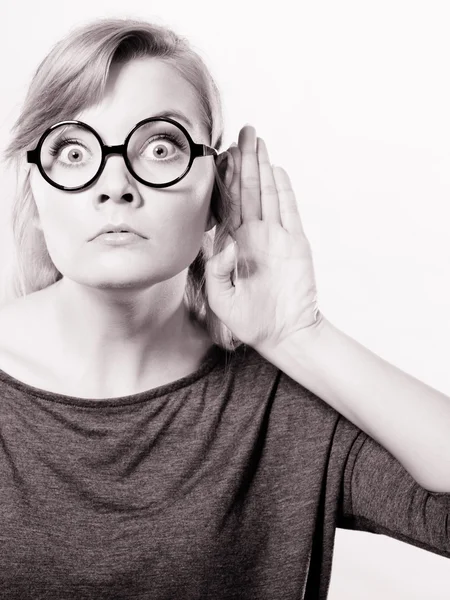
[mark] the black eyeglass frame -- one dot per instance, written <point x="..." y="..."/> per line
<point x="197" y="150"/>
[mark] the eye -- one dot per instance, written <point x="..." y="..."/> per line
<point x="160" y="145"/>
<point x="70" y="152"/>
<point x="158" y="149"/>
<point x="73" y="154"/>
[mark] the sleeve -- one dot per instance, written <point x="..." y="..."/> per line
<point x="380" y="496"/>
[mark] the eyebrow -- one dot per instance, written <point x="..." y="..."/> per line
<point x="67" y="129"/>
<point x="175" y="114"/>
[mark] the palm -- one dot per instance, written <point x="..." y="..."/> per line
<point x="274" y="291"/>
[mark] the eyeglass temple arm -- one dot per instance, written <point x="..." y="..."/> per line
<point x="203" y="150"/>
<point x="32" y="156"/>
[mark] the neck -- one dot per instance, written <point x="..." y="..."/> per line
<point x="120" y="341"/>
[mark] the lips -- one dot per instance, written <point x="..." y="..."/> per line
<point x="118" y="238"/>
<point x="119" y="233"/>
<point x="120" y="227"/>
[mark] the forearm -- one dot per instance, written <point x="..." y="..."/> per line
<point x="406" y="416"/>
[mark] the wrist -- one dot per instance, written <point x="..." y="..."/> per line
<point x="301" y="343"/>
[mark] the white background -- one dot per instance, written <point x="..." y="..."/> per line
<point x="353" y="100"/>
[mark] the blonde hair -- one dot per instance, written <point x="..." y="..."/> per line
<point x="73" y="76"/>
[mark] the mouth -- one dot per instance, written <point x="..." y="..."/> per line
<point x="118" y="237"/>
<point x="118" y="228"/>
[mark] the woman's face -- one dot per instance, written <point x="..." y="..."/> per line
<point x="172" y="219"/>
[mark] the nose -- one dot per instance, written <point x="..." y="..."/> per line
<point x="116" y="182"/>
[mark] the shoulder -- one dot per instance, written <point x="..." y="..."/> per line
<point x="20" y="339"/>
<point x="17" y="319"/>
<point x="12" y="326"/>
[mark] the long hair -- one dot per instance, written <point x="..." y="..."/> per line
<point x="73" y="76"/>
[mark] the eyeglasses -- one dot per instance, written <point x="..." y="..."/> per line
<point x="158" y="152"/>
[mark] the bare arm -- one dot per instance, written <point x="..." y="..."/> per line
<point x="407" y="417"/>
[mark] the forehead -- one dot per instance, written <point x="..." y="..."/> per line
<point x="140" y="89"/>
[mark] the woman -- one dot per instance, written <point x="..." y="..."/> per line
<point x="178" y="418"/>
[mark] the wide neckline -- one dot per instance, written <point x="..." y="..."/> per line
<point x="208" y="362"/>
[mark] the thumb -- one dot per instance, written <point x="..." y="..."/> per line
<point x="220" y="267"/>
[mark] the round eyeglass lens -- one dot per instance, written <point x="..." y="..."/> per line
<point x="158" y="152"/>
<point x="71" y="155"/>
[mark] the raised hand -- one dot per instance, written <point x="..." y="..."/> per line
<point x="274" y="291"/>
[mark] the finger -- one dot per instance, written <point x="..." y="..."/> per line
<point x="270" y="203"/>
<point x="250" y="186"/>
<point x="290" y="216"/>
<point x="229" y="169"/>
<point x="234" y="187"/>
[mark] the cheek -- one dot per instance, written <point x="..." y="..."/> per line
<point x="194" y="206"/>
<point x="183" y="218"/>
<point x="57" y="213"/>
